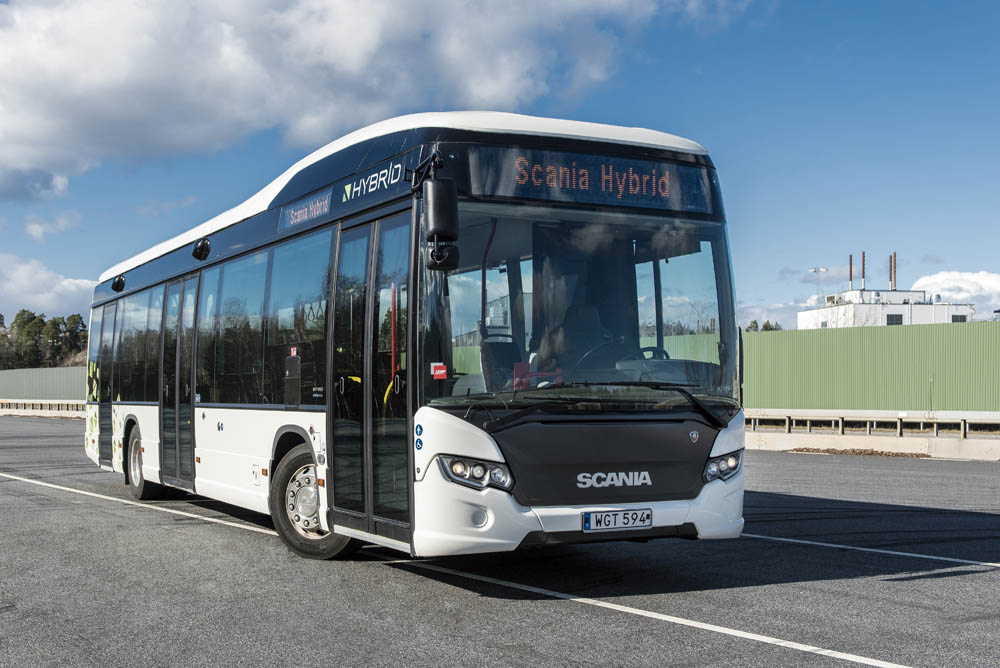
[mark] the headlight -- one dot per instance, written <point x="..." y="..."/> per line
<point x="476" y="473"/>
<point x="724" y="467"/>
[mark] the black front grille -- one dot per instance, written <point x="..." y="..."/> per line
<point x="660" y="460"/>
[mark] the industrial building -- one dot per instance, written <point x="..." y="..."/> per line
<point x="866" y="308"/>
<point x="869" y="308"/>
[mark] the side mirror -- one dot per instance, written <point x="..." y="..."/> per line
<point x="441" y="220"/>
<point x="441" y="210"/>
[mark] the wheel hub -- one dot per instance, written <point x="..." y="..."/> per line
<point x="135" y="464"/>
<point x="302" y="502"/>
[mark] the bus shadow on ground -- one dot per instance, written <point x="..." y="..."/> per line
<point x="668" y="566"/>
<point x="170" y="494"/>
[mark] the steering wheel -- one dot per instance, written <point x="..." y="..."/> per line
<point x="657" y="353"/>
<point x="587" y="354"/>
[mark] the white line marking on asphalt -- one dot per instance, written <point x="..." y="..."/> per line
<point x="172" y="511"/>
<point x="912" y="555"/>
<point x="854" y="658"/>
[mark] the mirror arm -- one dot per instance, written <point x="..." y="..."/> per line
<point x="427" y="168"/>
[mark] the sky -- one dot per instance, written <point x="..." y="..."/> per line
<point x="837" y="126"/>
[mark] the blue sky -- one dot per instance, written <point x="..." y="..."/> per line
<point x="837" y="127"/>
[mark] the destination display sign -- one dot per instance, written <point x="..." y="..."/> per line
<point x="591" y="179"/>
<point x="352" y="194"/>
<point x="306" y="209"/>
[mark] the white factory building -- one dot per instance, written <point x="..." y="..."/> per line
<point x="869" y="308"/>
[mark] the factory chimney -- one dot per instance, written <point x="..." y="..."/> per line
<point x="850" y="272"/>
<point x="862" y="270"/>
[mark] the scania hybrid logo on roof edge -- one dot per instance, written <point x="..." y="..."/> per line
<point x="374" y="181"/>
<point x="619" y="479"/>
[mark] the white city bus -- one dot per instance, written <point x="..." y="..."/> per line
<point x="445" y="333"/>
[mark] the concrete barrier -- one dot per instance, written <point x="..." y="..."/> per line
<point x="44" y="408"/>
<point x="947" y="434"/>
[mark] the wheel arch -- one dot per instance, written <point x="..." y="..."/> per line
<point x="286" y="438"/>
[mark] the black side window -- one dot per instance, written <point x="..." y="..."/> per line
<point x="130" y="353"/>
<point x="296" y="318"/>
<point x="93" y="349"/>
<point x="154" y="317"/>
<point x="208" y="371"/>
<point x="238" y="364"/>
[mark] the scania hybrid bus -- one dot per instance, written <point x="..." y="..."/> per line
<point x="445" y="333"/>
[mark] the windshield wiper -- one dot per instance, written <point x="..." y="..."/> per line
<point x="493" y="425"/>
<point x="714" y="418"/>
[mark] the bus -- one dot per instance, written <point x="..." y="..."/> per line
<point x="444" y="333"/>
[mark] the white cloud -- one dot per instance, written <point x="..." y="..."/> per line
<point x="84" y="82"/>
<point x="32" y="285"/>
<point x="38" y="228"/>
<point x="981" y="288"/>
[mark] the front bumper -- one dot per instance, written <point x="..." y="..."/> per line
<point x="451" y="519"/>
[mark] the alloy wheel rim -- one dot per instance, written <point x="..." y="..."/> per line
<point x="302" y="502"/>
<point x="135" y="462"/>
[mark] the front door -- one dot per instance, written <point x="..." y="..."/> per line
<point x="177" y="369"/>
<point x="370" y="407"/>
<point x="105" y="385"/>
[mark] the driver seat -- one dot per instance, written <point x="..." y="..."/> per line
<point x="566" y="344"/>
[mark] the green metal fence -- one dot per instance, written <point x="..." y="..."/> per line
<point x="949" y="367"/>
<point x="67" y="383"/>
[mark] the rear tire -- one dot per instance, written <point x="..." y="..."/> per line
<point x="140" y="488"/>
<point x="294" y="504"/>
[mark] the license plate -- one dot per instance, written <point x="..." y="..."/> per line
<point x="617" y="520"/>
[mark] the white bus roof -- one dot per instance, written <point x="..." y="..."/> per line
<point x="481" y="121"/>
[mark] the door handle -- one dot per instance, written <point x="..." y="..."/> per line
<point x="341" y="383"/>
<point x="396" y="383"/>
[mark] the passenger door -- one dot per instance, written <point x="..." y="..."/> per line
<point x="105" y="385"/>
<point x="176" y="389"/>
<point x="371" y="486"/>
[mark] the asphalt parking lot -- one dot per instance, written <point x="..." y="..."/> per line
<point x="87" y="579"/>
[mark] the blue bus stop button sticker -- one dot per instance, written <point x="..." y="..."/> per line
<point x="420" y="444"/>
<point x="420" y="430"/>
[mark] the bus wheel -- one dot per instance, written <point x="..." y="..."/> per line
<point x="141" y="488"/>
<point x="294" y="504"/>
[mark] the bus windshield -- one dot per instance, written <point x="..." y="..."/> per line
<point x="601" y="310"/>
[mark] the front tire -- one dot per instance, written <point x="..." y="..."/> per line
<point x="294" y="504"/>
<point x="140" y="488"/>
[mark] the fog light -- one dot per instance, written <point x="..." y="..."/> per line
<point x="478" y="471"/>
<point x="459" y="468"/>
